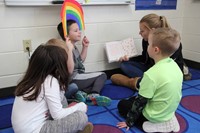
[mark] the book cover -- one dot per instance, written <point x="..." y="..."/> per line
<point x="117" y="49"/>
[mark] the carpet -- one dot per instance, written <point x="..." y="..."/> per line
<point x="5" y="114"/>
<point x="106" y="118"/>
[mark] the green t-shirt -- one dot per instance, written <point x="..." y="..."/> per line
<point x="162" y="85"/>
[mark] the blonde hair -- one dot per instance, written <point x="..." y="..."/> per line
<point x="166" y="39"/>
<point x="155" y="21"/>
<point x="57" y="42"/>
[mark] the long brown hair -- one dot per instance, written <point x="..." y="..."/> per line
<point x="46" y="60"/>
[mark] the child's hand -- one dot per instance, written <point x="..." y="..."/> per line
<point x="124" y="58"/>
<point x="85" y="42"/>
<point x="69" y="44"/>
<point x="122" y="125"/>
<point x="72" y="104"/>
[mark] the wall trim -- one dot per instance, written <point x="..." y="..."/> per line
<point x="6" y="92"/>
<point x="192" y="64"/>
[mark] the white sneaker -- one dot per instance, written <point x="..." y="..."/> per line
<point x="169" y="126"/>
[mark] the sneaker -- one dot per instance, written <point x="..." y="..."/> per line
<point x="103" y="101"/>
<point x="81" y="96"/>
<point x="169" y="126"/>
<point x="88" y="128"/>
<point x="96" y="99"/>
<point x="187" y="76"/>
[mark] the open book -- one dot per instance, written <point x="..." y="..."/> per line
<point x="117" y="49"/>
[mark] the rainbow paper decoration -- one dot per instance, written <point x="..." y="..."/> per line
<point x="72" y="10"/>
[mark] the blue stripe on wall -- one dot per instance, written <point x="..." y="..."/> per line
<point x="155" y="4"/>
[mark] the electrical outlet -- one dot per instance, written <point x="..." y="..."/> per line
<point x="27" y="44"/>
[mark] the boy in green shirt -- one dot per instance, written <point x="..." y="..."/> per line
<point x="153" y="109"/>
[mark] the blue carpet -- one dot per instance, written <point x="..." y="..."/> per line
<point x="195" y="73"/>
<point x="106" y="118"/>
<point x="112" y="91"/>
<point x="5" y="114"/>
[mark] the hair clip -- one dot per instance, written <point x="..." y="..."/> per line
<point x="161" y="18"/>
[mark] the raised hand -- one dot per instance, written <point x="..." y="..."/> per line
<point x="85" y="42"/>
<point x="69" y="44"/>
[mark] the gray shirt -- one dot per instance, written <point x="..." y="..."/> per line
<point x="78" y="63"/>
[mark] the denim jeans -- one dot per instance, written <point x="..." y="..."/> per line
<point x="133" y="69"/>
<point x="71" y="91"/>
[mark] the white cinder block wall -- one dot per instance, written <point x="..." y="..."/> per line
<point x="191" y="30"/>
<point x="103" y="23"/>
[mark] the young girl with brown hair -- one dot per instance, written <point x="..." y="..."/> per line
<point x="40" y="105"/>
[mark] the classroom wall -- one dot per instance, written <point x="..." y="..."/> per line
<point x="191" y="30"/>
<point x="103" y="24"/>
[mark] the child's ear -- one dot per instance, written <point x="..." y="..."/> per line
<point x="156" y="49"/>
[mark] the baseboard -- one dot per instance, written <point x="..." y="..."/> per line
<point x="6" y="92"/>
<point x="9" y="91"/>
<point x="192" y="64"/>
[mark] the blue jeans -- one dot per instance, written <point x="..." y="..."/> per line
<point x="71" y="91"/>
<point x="133" y="69"/>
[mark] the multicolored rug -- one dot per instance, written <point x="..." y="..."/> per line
<point x="106" y="118"/>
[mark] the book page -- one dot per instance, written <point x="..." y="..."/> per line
<point x="117" y="49"/>
<point x="113" y="51"/>
<point x="129" y="47"/>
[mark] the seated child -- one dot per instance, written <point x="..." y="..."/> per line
<point x="89" y="84"/>
<point x="40" y="105"/>
<point x="72" y="88"/>
<point x="153" y="109"/>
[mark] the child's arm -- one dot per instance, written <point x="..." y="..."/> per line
<point x="74" y="103"/>
<point x="53" y="99"/>
<point x="134" y="113"/>
<point x="70" y="61"/>
<point x="136" y="110"/>
<point x="85" y="44"/>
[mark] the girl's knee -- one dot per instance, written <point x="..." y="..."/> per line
<point x="82" y="117"/>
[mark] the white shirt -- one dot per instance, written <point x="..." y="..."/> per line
<point x="30" y="116"/>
